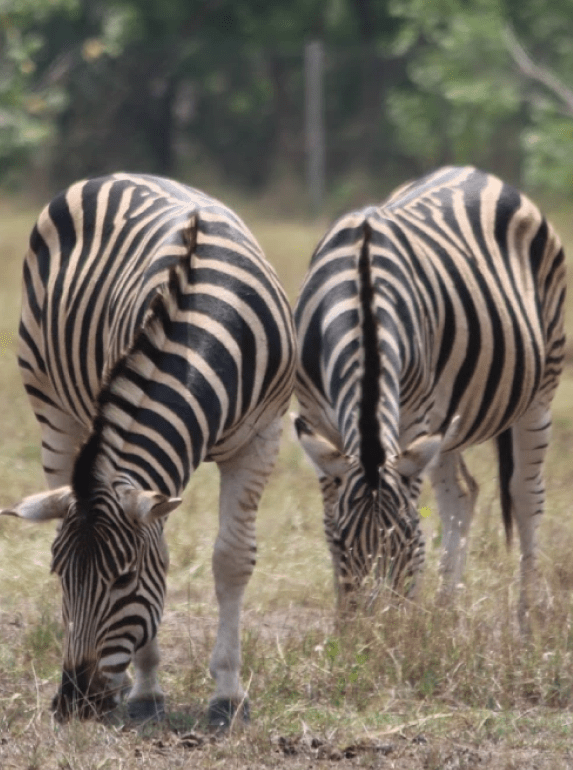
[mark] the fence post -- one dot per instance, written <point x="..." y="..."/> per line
<point x="314" y="123"/>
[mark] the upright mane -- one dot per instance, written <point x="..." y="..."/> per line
<point x="372" y="454"/>
<point x="116" y="408"/>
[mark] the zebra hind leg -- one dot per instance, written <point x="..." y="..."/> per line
<point x="530" y="438"/>
<point x="243" y="478"/>
<point x="456" y="493"/>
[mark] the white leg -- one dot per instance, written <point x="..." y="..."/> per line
<point x="456" y="493"/>
<point x="527" y="489"/>
<point x="243" y="479"/>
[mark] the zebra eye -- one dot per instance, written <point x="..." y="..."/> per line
<point x="124" y="580"/>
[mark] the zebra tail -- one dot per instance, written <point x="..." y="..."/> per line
<point x="504" y="444"/>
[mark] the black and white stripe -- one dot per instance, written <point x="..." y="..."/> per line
<point x="425" y="325"/>
<point x="154" y="335"/>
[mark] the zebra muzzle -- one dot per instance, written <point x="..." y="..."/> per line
<point x="82" y="695"/>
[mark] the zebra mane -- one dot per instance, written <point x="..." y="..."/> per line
<point x="83" y="473"/>
<point x="372" y="454"/>
<point x="88" y="470"/>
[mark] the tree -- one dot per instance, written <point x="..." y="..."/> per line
<point x="28" y="103"/>
<point x="216" y="87"/>
<point x="489" y="85"/>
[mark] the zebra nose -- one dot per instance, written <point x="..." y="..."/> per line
<point x="80" y="695"/>
<point x="71" y="698"/>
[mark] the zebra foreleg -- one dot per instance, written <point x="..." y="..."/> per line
<point x="243" y="479"/>
<point x="146" y="700"/>
<point x="527" y="489"/>
<point x="456" y="492"/>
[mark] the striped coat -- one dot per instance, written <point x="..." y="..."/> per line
<point x="154" y="336"/>
<point x="426" y="325"/>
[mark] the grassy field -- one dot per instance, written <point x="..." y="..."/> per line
<point x="409" y="687"/>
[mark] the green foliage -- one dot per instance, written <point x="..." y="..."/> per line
<point x="27" y="104"/>
<point x="215" y="92"/>
<point x="472" y="80"/>
<point x="547" y="147"/>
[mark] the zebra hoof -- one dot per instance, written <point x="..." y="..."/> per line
<point x="146" y="710"/>
<point x="223" y="711"/>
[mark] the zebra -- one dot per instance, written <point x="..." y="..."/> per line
<point x="154" y="335"/>
<point x="425" y="325"/>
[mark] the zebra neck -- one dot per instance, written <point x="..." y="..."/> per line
<point x="149" y="426"/>
<point x="145" y="433"/>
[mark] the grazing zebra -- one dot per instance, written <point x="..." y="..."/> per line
<point x="154" y="335"/>
<point x="425" y="325"/>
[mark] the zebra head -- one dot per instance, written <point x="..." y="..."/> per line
<point x="111" y="558"/>
<point x="372" y="528"/>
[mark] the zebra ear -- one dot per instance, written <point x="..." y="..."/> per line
<point x="149" y="506"/>
<point x="326" y="458"/>
<point x="43" y="506"/>
<point x="421" y="452"/>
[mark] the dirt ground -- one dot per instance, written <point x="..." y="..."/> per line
<point x="31" y="740"/>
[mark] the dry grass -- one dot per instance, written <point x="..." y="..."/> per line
<point x="407" y="687"/>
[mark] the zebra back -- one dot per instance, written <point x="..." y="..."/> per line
<point x="152" y="315"/>
<point x="468" y="278"/>
<point x="425" y="325"/>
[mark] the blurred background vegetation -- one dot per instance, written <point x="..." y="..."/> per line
<point x="212" y="91"/>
